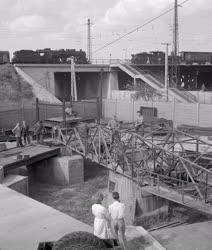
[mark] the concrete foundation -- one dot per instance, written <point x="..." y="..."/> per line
<point x="150" y="205"/>
<point x="3" y="146"/>
<point x="16" y="182"/>
<point x="136" y="201"/>
<point x="65" y="170"/>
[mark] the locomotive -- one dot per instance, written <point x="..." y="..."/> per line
<point x="49" y="56"/>
<point x="153" y="57"/>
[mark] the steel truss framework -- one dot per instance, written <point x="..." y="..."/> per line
<point x="176" y="166"/>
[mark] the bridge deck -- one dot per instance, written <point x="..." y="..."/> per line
<point x="16" y="157"/>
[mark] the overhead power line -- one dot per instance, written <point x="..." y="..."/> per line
<point x="138" y="28"/>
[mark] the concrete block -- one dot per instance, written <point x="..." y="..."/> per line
<point x="1" y="174"/>
<point x="3" y="146"/>
<point x="63" y="170"/>
<point x="16" y="182"/>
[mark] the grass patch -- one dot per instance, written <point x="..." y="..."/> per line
<point x="12" y="87"/>
<point x="74" y="200"/>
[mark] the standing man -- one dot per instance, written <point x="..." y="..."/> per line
<point x="116" y="211"/>
<point x="139" y="123"/>
<point x="114" y="126"/>
<point x="25" y="132"/>
<point x="39" y="131"/>
<point x="17" y="131"/>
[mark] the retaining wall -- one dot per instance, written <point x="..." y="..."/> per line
<point x="181" y="113"/>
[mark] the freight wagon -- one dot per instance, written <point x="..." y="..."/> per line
<point x="4" y="57"/>
<point x="189" y="57"/>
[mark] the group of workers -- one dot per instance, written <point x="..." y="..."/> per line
<point x="109" y="223"/>
<point x="114" y="124"/>
<point x="23" y="131"/>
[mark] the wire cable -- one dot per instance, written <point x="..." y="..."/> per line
<point x="138" y="28"/>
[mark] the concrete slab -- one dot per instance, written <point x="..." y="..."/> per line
<point x="148" y="241"/>
<point x="24" y="222"/>
<point x="187" y="237"/>
<point x="16" y="182"/>
<point x="16" y="157"/>
<point x="2" y="146"/>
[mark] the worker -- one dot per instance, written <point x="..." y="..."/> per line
<point x="139" y="123"/>
<point x="113" y="124"/>
<point x="116" y="211"/>
<point x="68" y="111"/>
<point x="203" y="88"/>
<point x="25" y="133"/>
<point x="101" y="220"/>
<point x="39" y="131"/>
<point x="17" y="131"/>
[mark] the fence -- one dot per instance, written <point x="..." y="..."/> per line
<point x="181" y="113"/>
<point x="9" y="116"/>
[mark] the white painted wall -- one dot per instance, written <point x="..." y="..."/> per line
<point x="181" y="113"/>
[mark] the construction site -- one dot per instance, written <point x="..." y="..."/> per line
<point x="141" y="128"/>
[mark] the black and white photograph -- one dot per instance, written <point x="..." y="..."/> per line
<point x="105" y="125"/>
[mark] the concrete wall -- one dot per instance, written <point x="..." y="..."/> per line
<point x="180" y="113"/>
<point x="62" y="171"/>
<point x="136" y="201"/>
<point x="203" y="97"/>
<point x="50" y="77"/>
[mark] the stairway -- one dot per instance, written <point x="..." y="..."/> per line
<point x="156" y="83"/>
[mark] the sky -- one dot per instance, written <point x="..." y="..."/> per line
<point x="37" y="24"/>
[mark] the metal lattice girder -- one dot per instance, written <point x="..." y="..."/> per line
<point x="177" y="161"/>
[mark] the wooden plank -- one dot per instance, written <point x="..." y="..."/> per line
<point x="174" y="196"/>
<point x="9" y="158"/>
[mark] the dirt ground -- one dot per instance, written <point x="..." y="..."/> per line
<point x="75" y="200"/>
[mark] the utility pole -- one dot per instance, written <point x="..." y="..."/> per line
<point x="167" y="70"/>
<point x="73" y="81"/>
<point x="89" y="48"/>
<point x="175" y="49"/>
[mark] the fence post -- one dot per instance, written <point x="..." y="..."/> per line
<point x="64" y="113"/>
<point x="183" y="200"/>
<point x="116" y="107"/>
<point x="37" y="110"/>
<point x="198" y="106"/>
<point x="133" y="110"/>
<point x="173" y="112"/>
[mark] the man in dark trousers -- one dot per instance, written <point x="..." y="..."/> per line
<point x="17" y="131"/>
<point x="116" y="211"/>
<point x="39" y="131"/>
<point x="25" y="132"/>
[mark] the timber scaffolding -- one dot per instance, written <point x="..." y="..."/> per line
<point x="170" y="163"/>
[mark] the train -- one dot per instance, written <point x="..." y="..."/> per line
<point x="153" y="57"/>
<point x="184" y="58"/>
<point x="48" y="56"/>
<point x="4" y="57"/>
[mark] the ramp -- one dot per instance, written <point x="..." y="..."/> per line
<point x="40" y="92"/>
<point x="26" y="222"/>
<point x="155" y="82"/>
